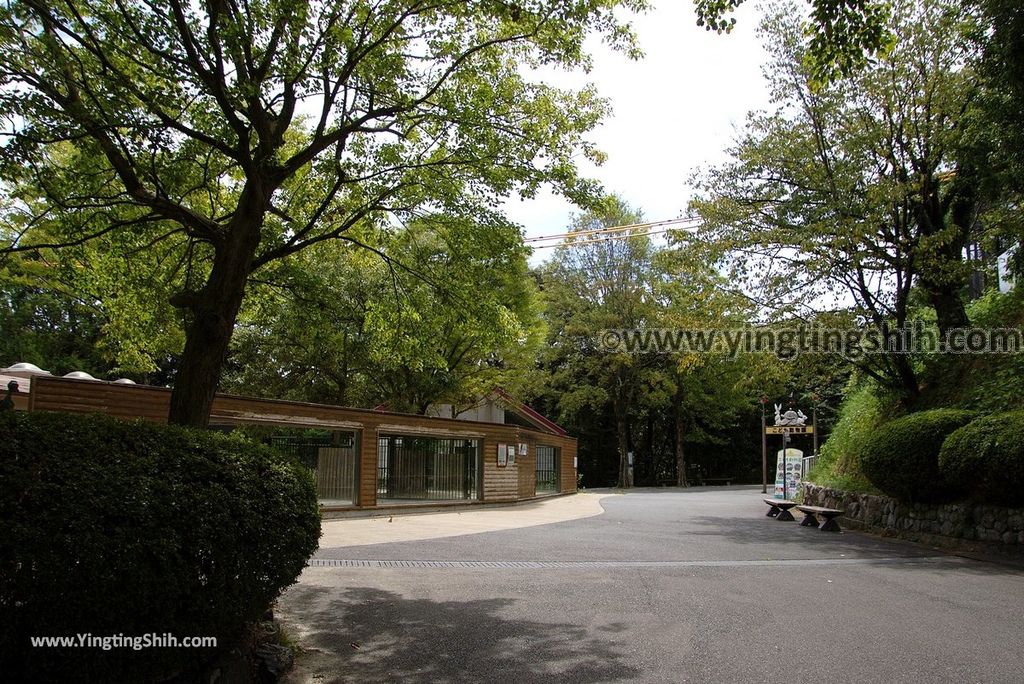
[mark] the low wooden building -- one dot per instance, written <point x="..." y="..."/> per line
<point x="363" y="458"/>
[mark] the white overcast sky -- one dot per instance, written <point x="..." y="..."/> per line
<point x="673" y="111"/>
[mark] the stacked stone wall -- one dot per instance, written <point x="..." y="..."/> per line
<point x="922" y="522"/>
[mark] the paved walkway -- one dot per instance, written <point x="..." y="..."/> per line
<point x="663" y="586"/>
<point x="400" y="527"/>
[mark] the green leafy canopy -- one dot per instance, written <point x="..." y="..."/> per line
<point x="244" y="133"/>
<point x="843" y="34"/>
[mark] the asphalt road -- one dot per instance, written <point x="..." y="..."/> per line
<point x="665" y="586"/>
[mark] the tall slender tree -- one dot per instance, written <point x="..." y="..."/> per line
<point x="602" y="285"/>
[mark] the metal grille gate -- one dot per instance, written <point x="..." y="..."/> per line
<point x="427" y="468"/>
<point x="547" y="469"/>
<point x="332" y="459"/>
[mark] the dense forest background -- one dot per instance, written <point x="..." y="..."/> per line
<point x="880" y="198"/>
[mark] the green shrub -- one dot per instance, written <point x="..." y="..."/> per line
<point x="986" y="459"/>
<point x="118" y="528"/>
<point x="901" y="457"/>
<point x="839" y="466"/>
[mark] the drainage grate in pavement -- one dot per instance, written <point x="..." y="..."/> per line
<point x="585" y="565"/>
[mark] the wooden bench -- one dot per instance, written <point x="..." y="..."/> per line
<point x="718" y="480"/>
<point x="811" y="514"/>
<point x="780" y="509"/>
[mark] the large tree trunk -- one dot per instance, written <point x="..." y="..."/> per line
<point x="622" y="434"/>
<point x="650" y="461"/>
<point x="680" y="422"/>
<point x="214" y="312"/>
<point x="908" y="386"/>
<point x="950" y="313"/>
<point x="945" y="280"/>
<point x="941" y="249"/>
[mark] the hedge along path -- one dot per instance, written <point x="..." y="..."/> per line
<point x="415" y="527"/>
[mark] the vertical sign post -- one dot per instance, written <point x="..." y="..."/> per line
<point x="787" y="423"/>
<point x="764" y="450"/>
<point x="814" y="421"/>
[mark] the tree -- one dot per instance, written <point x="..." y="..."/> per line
<point x="707" y="392"/>
<point x="58" y="333"/>
<point x="252" y="131"/>
<point x="847" y="35"/>
<point x="111" y="310"/>
<point x="843" y="34"/>
<point x="860" y="189"/>
<point x="302" y="335"/>
<point x="466" y="320"/>
<point x="1000" y="116"/>
<point x="592" y="285"/>
<point x="657" y="401"/>
<point x="1003" y="67"/>
<point x="448" y="316"/>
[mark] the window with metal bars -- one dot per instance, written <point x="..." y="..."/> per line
<point x="427" y="468"/>
<point x="547" y="469"/>
<point x="332" y="458"/>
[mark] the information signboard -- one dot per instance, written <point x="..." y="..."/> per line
<point x="788" y="465"/>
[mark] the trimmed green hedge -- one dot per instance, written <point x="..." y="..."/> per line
<point x="986" y="459"/>
<point x="130" y="528"/>
<point x="901" y="457"/>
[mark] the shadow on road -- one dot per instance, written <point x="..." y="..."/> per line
<point x="765" y="531"/>
<point x="768" y="531"/>
<point x="368" y="635"/>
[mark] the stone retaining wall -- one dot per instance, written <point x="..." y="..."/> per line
<point x="931" y="523"/>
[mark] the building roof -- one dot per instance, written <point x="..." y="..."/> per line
<point x="530" y="415"/>
<point x="22" y="374"/>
